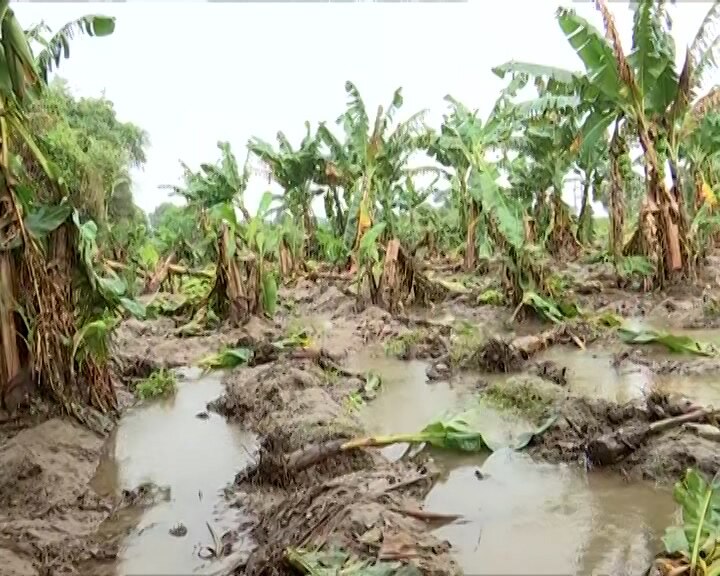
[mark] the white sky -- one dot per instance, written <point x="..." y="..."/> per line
<point x="192" y="73"/>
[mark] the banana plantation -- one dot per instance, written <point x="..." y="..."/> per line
<point x="423" y="345"/>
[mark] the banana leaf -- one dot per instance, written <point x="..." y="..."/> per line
<point x="679" y="344"/>
<point x="337" y="562"/>
<point x="697" y="537"/>
<point x="228" y="358"/>
<point x="455" y="433"/>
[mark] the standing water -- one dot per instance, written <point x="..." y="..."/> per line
<point x="521" y="516"/>
<point x="164" y="442"/>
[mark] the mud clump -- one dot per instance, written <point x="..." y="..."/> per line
<point x="661" y="457"/>
<point x="373" y="514"/>
<point x="139" y="348"/>
<point x="48" y="513"/>
<point x="666" y="457"/>
<point x="292" y="404"/>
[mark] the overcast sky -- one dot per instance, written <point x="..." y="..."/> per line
<point x="192" y="73"/>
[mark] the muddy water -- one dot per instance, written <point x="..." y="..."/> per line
<point x="522" y="516"/>
<point x="590" y="373"/>
<point x="406" y="401"/>
<point x="165" y="443"/>
<point x="526" y="517"/>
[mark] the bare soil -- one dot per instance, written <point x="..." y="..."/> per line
<point x="49" y="515"/>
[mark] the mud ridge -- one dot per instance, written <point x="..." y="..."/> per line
<point x="49" y="514"/>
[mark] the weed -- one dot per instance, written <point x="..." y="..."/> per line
<point x="492" y="297"/>
<point x="160" y="383"/>
<point x="399" y="346"/>
<point x="525" y="396"/>
<point x="465" y="340"/>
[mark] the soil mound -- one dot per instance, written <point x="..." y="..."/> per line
<point x="140" y="347"/>
<point x="48" y="513"/>
<point x="372" y="514"/>
<point x="292" y="404"/>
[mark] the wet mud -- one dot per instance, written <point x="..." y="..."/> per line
<point x="70" y="498"/>
<point x="49" y="514"/>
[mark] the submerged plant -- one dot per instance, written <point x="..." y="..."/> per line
<point x="160" y="383"/>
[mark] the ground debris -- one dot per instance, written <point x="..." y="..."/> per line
<point x="363" y="513"/>
<point x="503" y="355"/>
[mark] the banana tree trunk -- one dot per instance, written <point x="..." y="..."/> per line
<point x="10" y="361"/>
<point x="664" y="227"/>
<point x="339" y="214"/>
<point x="585" y="219"/>
<point x="617" y="201"/>
<point x="470" y="238"/>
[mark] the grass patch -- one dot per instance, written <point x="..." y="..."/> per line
<point x="464" y="342"/>
<point x="399" y="346"/>
<point x="530" y="397"/>
<point x="491" y="297"/>
<point x="160" y="383"/>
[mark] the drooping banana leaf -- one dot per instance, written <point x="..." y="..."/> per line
<point x="696" y="538"/>
<point x="679" y="344"/>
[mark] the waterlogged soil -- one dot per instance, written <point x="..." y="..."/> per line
<point x="141" y="501"/>
<point x="187" y="454"/>
<point x="49" y="515"/>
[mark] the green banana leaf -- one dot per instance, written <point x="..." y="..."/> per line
<point x="678" y="344"/>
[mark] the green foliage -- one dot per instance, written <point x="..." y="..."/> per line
<point x="696" y="538"/>
<point x="228" y="358"/>
<point x="336" y="562"/>
<point x="160" y="383"/>
<point x="673" y="342"/>
<point x="91" y="150"/>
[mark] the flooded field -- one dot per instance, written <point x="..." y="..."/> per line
<point x="521" y="516"/>
<point x="189" y="460"/>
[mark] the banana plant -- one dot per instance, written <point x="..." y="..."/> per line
<point x="371" y="165"/>
<point x="644" y="90"/>
<point x="22" y="76"/>
<point x="295" y="171"/>
<point x="463" y="142"/>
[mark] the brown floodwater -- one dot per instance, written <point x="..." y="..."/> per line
<point x="528" y="517"/>
<point x="590" y="374"/>
<point x="524" y="516"/>
<point x="165" y="443"/>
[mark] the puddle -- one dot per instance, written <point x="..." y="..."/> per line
<point x="591" y="374"/>
<point x="163" y="442"/>
<point x="524" y="516"/>
<point x="527" y="517"/>
<point x="407" y="402"/>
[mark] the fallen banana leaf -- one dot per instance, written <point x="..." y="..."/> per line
<point x="679" y="344"/>
<point x="339" y="563"/>
<point x="228" y="358"/>
<point x="452" y="434"/>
